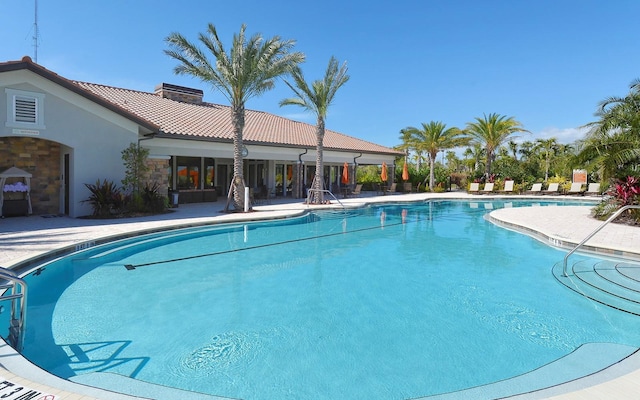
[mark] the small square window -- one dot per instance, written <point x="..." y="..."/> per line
<point x="25" y="109"/>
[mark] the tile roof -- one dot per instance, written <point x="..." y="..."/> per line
<point x="210" y="121"/>
<point x="27" y="64"/>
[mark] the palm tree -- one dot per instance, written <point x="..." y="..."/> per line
<point x="547" y="148"/>
<point x="248" y="70"/>
<point x="491" y="131"/>
<point x="473" y="157"/>
<point x="613" y="145"/>
<point x="513" y="148"/>
<point x="407" y="141"/>
<point x="408" y="145"/>
<point x="317" y="98"/>
<point x="432" y="138"/>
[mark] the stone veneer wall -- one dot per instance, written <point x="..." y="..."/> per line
<point x="158" y="173"/>
<point x="41" y="158"/>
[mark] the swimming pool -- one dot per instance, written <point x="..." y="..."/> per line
<point x="395" y="301"/>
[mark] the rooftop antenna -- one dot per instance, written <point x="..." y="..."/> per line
<point x="36" y="35"/>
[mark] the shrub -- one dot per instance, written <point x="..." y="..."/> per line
<point x="153" y="201"/>
<point x="106" y="199"/>
<point x="624" y="192"/>
<point x="627" y="192"/>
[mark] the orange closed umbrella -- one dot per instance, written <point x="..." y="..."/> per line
<point x="345" y="174"/>
<point x="405" y="172"/>
<point x="383" y="174"/>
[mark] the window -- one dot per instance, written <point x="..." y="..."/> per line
<point x="25" y="109"/>
<point x="188" y="173"/>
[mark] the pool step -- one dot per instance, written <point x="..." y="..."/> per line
<point x="611" y="283"/>
<point x="589" y="364"/>
<point x="140" y="389"/>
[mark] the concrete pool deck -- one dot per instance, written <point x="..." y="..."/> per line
<point x="30" y="239"/>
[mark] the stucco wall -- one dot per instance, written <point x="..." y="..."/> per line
<point x="93" y="136"/>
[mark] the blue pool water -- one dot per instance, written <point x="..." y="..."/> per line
<point x="387" y="302"/>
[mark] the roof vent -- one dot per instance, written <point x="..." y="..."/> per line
<point x="179" y="93"/>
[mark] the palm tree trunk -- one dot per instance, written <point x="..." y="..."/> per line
<point x="487" y="170"/>
<point x="238" y="175"/>
<point x="432" y="166"/>
<point x="318" y="195"/>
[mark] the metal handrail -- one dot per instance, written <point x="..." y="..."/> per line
<point x="592" y="234"/>
<point x="323" y="191"/>
<point x="16" y="332"/>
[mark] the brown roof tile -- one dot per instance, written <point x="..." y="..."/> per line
<point x="213" y="122"/>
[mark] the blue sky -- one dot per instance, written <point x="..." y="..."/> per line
<point x="546" y="63"/>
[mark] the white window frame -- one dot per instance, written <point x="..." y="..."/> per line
<point x="13" y="96"/>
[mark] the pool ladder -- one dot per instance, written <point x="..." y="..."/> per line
<point x="308" y="200"/>
<point x="592" y="234"/>
<point x="18" y="295"/>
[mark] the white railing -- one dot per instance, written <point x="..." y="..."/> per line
<point x="18" y="297"/>
<point x="310" y="191"/>
<point x="592" y="234"/>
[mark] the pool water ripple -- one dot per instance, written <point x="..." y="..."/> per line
<point x="222" y="351"/>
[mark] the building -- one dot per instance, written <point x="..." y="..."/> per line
<point x="67" y="134"/>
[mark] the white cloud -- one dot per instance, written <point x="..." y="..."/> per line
<point x="301" y="117"/>
<point x="562" y="135"/>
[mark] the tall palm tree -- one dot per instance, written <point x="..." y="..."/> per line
<point x="407" y="141"/>
<point x="248" y="70"/>
<point x="491" y="131"/>
<point x="473" y="157"/>
<point x="547" y="149"/>
<point x="613" y="144"/>
<point x="317" y="98"/>
<point x="513" y="148"/>
<point x="408" y="144"/>
<point x="433" y="137"/>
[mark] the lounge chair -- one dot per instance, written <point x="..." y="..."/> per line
<point x="593" y="189"/>
<point x="488" y="188"/>
<point x="508" y="187"/>
<point x="552" y="189"/>
<point x="407" y="187"/>
<point x="356" y="192"/>
<point x="474" y="187"/>
<point x="391" y="189"/>
<point x="576" y="188"/>
<point x="536" y="188"/>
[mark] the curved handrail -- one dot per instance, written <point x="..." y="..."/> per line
<point x="611" y="218"/>
<point x="323" y="191"/>
<point x="22" y="310"/>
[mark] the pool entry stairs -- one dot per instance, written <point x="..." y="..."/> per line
<point x="15" y="292"/>
<point x="611" y="283"/>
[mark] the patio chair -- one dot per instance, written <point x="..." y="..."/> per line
<point x="488" y="188"/>
<point x="392" y="188"/>
<point x="508" y="187"/>
<point x="474" y="187"/>
<point x="553" y="188"/>
<point x="536" y="188"/>
<point x="407" y="187"/>
<point x="356" y="192"/>
<point x="576" y="189"/>
<point x="593" y="189"/>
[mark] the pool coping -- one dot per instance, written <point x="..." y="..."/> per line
<point x="25" y="263"/>
<point x="563" y="242"/>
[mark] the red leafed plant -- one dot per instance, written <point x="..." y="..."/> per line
<point x="627" y="191"/>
